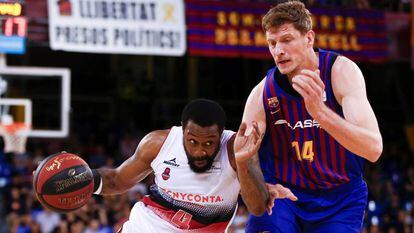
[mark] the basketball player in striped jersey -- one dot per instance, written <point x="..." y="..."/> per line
<point x="319" y="130"/>
<point x="196" y="186"/>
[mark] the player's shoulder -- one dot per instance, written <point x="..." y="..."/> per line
<point x="150" y="145"/>
<point x="230" y="139"/>
<point x="230" y="150"/>
<point x="343" y="64"/>
<point x="346" y="77"/>
<point x="258" y="89"/>
<point x="261" y="84"/>
<point x="229" y="132"/>
<point x="154" y="140"/>
<point x="229" y="136"/>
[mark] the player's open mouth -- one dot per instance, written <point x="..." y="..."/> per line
<point x="283" y="62"/>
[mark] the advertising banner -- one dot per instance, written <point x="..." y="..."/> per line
<point x="225" y="29"/>
<point x="151" y="27"/>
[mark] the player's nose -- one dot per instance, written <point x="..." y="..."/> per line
<point x="200" y="153"/>
<point x="278" y="50"/>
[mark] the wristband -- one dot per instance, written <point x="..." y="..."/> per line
<point x="97" y="182"/>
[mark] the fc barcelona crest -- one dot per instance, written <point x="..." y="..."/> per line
<point x="273" y="104"/>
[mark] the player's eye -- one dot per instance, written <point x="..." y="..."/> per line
<point x="209" y="143"/>
<point x="192" y="141"/>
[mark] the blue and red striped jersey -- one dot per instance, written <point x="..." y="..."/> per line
<point x="296" y="150"/>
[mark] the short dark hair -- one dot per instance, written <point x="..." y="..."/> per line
<point x="204" y="113"/>
<point x="291" y="11"/>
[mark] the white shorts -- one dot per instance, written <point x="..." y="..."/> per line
<point x="144" y="220"/>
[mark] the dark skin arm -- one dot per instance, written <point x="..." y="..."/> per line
<point x="134" y="169"/>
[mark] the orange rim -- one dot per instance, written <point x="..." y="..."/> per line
<point x="13" y="128"/>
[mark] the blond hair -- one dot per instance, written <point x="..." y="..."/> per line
<point x="293" y="12"/>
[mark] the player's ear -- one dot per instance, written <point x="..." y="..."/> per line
<point x="310" y="37"/>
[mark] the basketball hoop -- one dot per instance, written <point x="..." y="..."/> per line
<point x="15" y="136"/>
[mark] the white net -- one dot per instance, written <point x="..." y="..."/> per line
<point x="14" y="137"/>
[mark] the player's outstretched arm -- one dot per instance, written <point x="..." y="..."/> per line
<point x="358" y="131"/>
<point x="134" y="169"/>
<point x="248" y="139"/>
<point x="252" y="186"/>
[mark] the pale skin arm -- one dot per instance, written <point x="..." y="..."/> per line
<point x="254" y="110"/>
<point x="358" y="131"/>
<point x="257" y="195"/>
<point x="134" y="169"/>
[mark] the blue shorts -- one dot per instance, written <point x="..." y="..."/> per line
<point x="339" y="210"/>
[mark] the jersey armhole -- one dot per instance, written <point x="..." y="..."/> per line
<point x="333" y="60"/>
<point x="233" y="171"/>
<point x="230" y="152"/>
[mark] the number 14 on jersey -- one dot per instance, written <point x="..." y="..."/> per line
<point x="307" y="150"/>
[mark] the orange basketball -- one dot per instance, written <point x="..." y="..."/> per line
<point x="63" y="182"/>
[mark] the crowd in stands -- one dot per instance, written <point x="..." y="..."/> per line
<point x="390" y="182"/>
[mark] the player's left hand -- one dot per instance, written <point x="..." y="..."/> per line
<point x="277" y="191"/>
<point x="310" y="86"/>
<point x="246" y="146"/>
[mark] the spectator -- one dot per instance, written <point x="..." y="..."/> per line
<point x="48" y="220"/>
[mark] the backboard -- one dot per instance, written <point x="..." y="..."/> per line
<point x="38" y="96"/>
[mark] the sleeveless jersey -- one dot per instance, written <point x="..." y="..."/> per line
<point x="296" y="150"/>
<point x="182" y="200"/>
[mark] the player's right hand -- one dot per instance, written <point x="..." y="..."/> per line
<point x="277" y="191"/>
<point x="246" y="146"/>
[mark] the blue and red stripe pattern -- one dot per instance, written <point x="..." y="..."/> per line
<point x="295" y="150"/>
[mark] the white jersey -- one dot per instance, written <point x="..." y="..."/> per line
<point x="182" y="200"/>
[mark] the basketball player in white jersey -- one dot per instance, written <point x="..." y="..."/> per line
<point x="196" y="186"/>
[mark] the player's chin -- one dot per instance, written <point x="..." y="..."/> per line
<point x="281" y="69"/>
<point x="199" y="167"/>
<point x="286" y="68"/>
<point x="200" y="163"/>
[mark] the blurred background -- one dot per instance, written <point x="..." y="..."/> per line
<point x="133" y="65"/>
